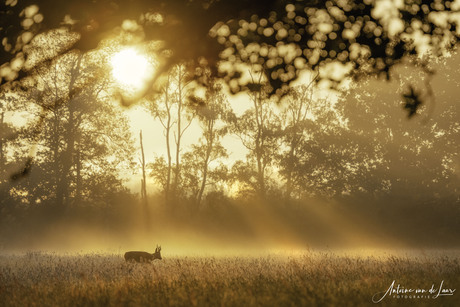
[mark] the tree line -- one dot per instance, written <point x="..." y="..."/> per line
<point x="361" y="147"/>
<point x="306" y="147"/>
<point x="359" y="150"/>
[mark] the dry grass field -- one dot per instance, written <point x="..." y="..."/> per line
<point x="310" y="279"/>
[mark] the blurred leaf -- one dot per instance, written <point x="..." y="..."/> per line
<point x="412" y="102"/>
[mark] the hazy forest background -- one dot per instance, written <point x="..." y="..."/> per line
<point x="329" y="162"/>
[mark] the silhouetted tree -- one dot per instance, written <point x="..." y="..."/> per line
<point x="317" y="158"/>
<point x="171" y="109"/>
<point x="211" y="113"/>
<point x="162" y="109"/>
<point x="319" y="155"/>
<point x="296" y="120"/>
<point x="183" y="119"/>
<point x="83" y="142"/>
<point x="6" y="132"/>
<point x="143" y="180"/>
<point x="258" y="129"/>
<point x="11" y="162"/>
<point x="413" y="161"/>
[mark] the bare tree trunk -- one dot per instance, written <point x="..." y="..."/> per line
<point x="144" y="185"/>
<point x="259" y="144"/>
<point x="296" y="114"/>
<point x="209" y="146"/>
<point x="68" y="154"/>
<point x="168" y="179"/>
<point x="168" y="120"/>
<point x="143" y="182"/>
<point x="181" y="84"/>
<point x="78" y="179"/>
<point x="289" y="175"/>
<point x="168" y="151"/>
<point x="56" y="158"/>
<point x="67" y="161"/>
<point x="178" y="136"/>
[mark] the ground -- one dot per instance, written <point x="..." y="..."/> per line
<point x="301" y="279"/>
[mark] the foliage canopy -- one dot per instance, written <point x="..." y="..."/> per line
<point x="279" y="38"/>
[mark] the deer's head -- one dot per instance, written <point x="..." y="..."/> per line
<point x="157" y="253"/>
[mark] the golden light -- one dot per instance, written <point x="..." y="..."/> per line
<point x="131" y="69"/>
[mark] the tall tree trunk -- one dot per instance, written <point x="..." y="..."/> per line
<point x="289" y="175"/>
<point x="209" y="145"/>
<point x="78" y="187"/>
<point x="67" y="161"/>
<point x="168" y="150"/>
<point x="259" y="144"/>
<point x="144" y="185"/>
<point x="70" y="132"/>
<point x="260" y="174"/>
<point x="181" y="84"/>
<point x="168" y="176"/>
<point x="179" y="134"/>
<point x="56" y="159"/>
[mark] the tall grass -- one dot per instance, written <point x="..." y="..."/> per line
<point x="311" y="279"/>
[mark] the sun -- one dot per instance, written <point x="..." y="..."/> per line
<point x="131" y="69"/>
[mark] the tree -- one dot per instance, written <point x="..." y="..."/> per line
<point x="183" y="119"/>
<point x="11" y="162"/>
<point x="161" y="109"/>
<point x="319" y="155"/>
<point x="279" y="38"/>
<point x="317" y="158"/>
<point x="6" y="133"/>
<point x="413" y="161"/>
<point x="83" y="142"/>
<point x="258" y="130"/>
<point x="143" y="180"/>
<point x="296" y="120"/>
<point x="171" y="110"/>
<point x="211" y="113"/>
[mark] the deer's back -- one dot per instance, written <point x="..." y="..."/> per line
<point x="138" y="256"/>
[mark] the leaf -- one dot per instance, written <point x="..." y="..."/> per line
<point x="412" y="102"/>
<point x="254" y="87"/>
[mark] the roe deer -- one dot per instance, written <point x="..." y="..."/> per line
<point x="143" y="256"/>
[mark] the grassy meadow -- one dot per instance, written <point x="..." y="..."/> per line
<point x="309" y="279"/>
